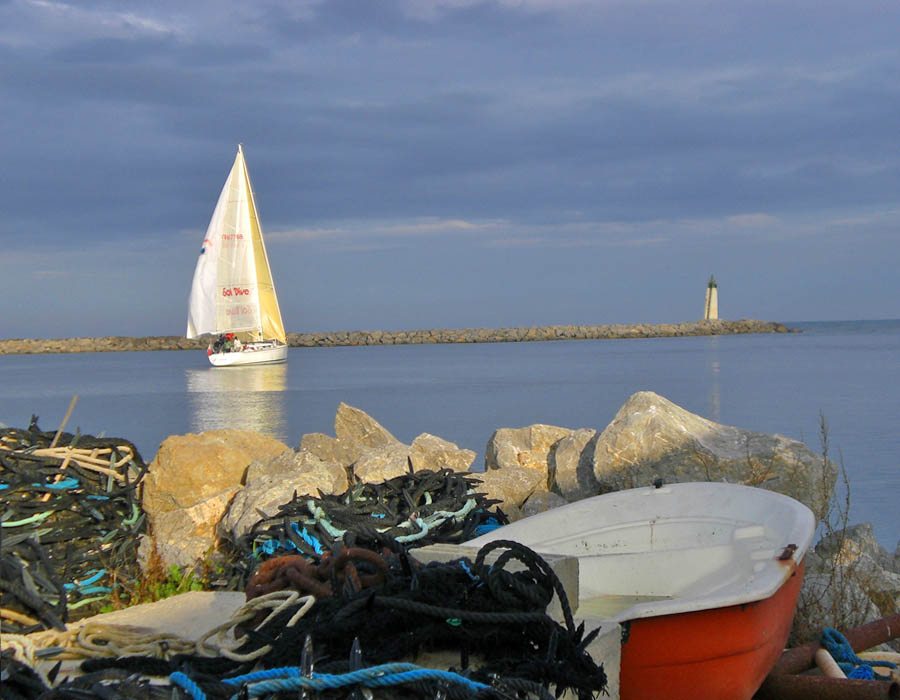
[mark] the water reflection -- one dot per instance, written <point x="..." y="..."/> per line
<point x="712" y="366"/>
<point x="251" y="398"/>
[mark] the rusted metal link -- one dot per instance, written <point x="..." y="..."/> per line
<point x="792" y="687"/>
<point x="293" y="571"/>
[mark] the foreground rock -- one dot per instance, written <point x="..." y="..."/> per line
<point x="850" y="580"/>
<point x="523" y="447"/>
<point x="651" y="437"/>
<point x="570" y="465"/>
<point x="511" y="487"/>
<point x="273" y="481"/>
<point x="190" y="483"/>
<point x="196" y="479"/>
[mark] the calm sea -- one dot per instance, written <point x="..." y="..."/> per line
<point x="848" y="371"/>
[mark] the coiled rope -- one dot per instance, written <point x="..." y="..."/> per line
<point x="420" y="508"/>
<point x="492" y="613"/>
<point x="70" y="524"/>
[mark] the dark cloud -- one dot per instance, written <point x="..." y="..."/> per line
<point x="575" y="125"/>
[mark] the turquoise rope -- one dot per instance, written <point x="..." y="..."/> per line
<point x="73" y="606"/>
<point x="27" y="521"/>
<point x="69" y="483"/>
<point x="134" y="515"/>
<point x="93" y="578"/>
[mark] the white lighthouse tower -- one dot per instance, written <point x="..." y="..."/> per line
<point x="711" y="308"/>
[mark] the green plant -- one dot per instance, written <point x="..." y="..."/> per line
<point x="155" y="582"/>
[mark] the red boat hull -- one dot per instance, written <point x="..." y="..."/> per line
<point x="718" y="654"/>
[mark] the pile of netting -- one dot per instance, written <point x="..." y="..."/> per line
<point x="70" y="523"/>
<point x="415" y="509"/>
<point x="287" y="643"/>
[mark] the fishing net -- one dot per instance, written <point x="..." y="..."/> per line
<point x="415" y="509"/>
<point x="492" y="618"/>
<point x="70" y="522"/>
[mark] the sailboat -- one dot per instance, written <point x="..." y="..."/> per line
<point x="232" y="294"/>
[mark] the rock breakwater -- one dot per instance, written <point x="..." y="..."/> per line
<point x="31" y="346"/>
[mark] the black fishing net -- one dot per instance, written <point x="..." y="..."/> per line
<point x="415" y="509"/>
<point x="493" y="613"/>
<point x="71" y="519"/>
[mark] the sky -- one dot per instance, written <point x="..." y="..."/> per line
<point x="452" y="163"/>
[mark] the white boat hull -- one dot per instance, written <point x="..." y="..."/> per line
<point x="250" y="354"/>
<point x="703" y="578"/>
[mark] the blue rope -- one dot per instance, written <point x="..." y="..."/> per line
<point x="487" y="526"/>
<point x="288" y="679"/>
<point x="841" y="651"/>
<point x="69" y="483"/>
<point x="465" y="568"/>
<point x="864" y="673"/>
<point x="182" y="681"/>
<point x="309" y="539"/>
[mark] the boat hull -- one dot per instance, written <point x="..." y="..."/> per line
<point x="250" y="355"/>
<point x="718" y="654"/>
<point x="703" y="577"/>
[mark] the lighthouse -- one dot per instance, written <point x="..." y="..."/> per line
<point x="711" y="308"/>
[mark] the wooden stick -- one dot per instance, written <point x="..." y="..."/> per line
<point x="64" y="421"/>
<point x="828" y="665"/>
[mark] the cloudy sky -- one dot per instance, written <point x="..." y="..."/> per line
<point x="452" y="163"/>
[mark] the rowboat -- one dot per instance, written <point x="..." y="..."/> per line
<point x="702" y="577"/>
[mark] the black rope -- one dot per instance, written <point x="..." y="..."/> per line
<point x="449" y="606"/>
<point x="69" y="535"/>
<point x="372" y="516"/>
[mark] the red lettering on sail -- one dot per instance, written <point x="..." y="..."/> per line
<point x="240" y="310"/>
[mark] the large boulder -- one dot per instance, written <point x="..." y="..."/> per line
<point x="832" y="599"/>
<point x="853" y="553"/>
<point x="526" y="447"/>
<point x="330" y="449"/>
<point x="651" y="437"/>
<point x="855" y="544"/>
<point x="379" y="464"/>
<point x="541" y="502"/>
<point x="511" y="486"/>
<point x="434" y="453"/>
<point x="353" y="426"/>
<point x="273" y="481"/>
<point x="571" y="465"/>
<point x="189" y="484"/>
<point x="371" y="454"/>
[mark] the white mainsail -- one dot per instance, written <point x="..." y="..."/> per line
<point x="232" y="291"/>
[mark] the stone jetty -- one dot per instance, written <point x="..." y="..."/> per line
<point x="29" y="346"/>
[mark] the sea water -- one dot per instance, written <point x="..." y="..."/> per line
<point x="847" y="372"/>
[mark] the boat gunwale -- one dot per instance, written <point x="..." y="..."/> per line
<point x="797" y="530"/>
